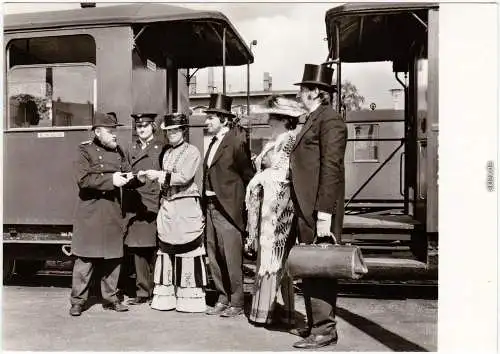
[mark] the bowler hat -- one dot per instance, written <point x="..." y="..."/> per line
<point x="105" y="120"/>
<point x="220" y="103"/>
<point x="174" y="120"/>
<point x="144" y="117"/>
<point x="318" y="75"/>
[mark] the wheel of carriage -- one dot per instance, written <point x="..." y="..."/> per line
<point x="28" y="268"/>
<point x="8" y="269"/>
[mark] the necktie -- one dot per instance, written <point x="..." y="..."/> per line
<point x="212" y="142"/>
<point x="205" y="162"/>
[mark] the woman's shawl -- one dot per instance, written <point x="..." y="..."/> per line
<point x="269" y="204"/>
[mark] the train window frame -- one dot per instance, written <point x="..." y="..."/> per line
<point x="373" y="146"/>
<point x="12" y="128"/>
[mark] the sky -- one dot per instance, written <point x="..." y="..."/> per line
<point x="288" y="36"/>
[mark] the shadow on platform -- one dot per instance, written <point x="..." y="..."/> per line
<point x="379" y="333"/>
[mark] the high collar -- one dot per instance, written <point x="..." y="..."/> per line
<point x="178" y="145"/>
<point x="316" y="105"/>
<point x="222" y="132"/>
<point x="145" y="143"/>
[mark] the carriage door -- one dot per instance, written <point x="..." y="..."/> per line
<point x="421" y="128"/>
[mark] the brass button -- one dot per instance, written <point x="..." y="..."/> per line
<point x="102" y="165"/>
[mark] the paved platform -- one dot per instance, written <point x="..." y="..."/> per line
<point x="35" y="318"/>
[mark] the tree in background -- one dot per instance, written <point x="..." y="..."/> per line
<point x="351" y="98"/>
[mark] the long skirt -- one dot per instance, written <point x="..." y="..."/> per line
<point x="269" y="305"/>
<point x="179" y="283"/>
<point x="180" y="276"/>
<point x="270" y="214"/>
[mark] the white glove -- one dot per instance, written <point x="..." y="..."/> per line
<point x="323" y="228"/>
<point x="119" y="180"/>
<point x="154" y="175"/>
<point x="323" y="224"/>
<point x="141" y="176"/>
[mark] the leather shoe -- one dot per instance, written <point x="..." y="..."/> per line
<point x="116" y="306"/>
<point x="217" y="309"/>
<point x="314" y="341"/>
<point x="75" y="310"/>
<point x="138" y="300"/>
<point x="232" y="312"/>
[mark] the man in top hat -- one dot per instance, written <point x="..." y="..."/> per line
<point x="317" y="174"/>
<point x="140" y="203"/>
<point x="97" y="240"/>
<point x="227" y="171"/>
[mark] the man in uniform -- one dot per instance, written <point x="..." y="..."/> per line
<point x="140" y="203"/>
<point x="97" y="240"/>
<point x="227" y="170"/>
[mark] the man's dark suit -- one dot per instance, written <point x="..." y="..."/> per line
<point x="228" y="175"/>
<point x="318" y="182"/>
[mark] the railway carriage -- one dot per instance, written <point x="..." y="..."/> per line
<point x="62" y="66"/>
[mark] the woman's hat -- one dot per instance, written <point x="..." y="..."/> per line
<point x="280" y="106"/>
<point x="144" y="117"/>
<point x="318" y="75"/>
<point x="105" y="120"/>
<point x="174" y="120"/>
<point x="221" y="104"/>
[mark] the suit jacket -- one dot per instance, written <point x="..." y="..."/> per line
<point x="98" y="227"/>
<point x="229" y="174"/>
<point x="317" y="169"/>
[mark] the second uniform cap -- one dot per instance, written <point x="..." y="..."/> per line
<point x="144" y="117"/>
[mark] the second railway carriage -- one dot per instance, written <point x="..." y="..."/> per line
<point x="62" y="66"/>
<point x="405" y="34"/>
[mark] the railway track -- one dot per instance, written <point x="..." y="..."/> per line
<point x="58" y="274"/>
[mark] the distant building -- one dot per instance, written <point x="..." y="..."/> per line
<point x="199" y="101"/>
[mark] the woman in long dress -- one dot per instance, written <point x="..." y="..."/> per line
<point x="270" y="214"/>
<point x="180" y="271"/>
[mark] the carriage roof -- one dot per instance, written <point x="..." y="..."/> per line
<point x="197" y="31"/>
<point x="377" y="31"/>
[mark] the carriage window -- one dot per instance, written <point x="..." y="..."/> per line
<point x="51" y="82"/>
<point x="366" y="150"/>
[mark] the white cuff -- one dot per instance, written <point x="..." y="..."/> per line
<point x="324" y="216"/>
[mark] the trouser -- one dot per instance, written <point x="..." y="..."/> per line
<point x="225" y="255"/>
<point x="107" y="270"/>
<point x="143" y="260"/>
<point x="320" y="294"/>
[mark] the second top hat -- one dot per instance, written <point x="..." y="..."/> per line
<point x="318" y="75"/>
<point x="220" y="103"/>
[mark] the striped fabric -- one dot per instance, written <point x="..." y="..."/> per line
<point x="179" y="283"/>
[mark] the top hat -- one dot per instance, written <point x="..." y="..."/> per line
<point x="318" y="75"/>
<point x="280" y="107"/>
<point x="221" y="104"/>
<point x="174" y="120"/>
<point x="144" y="117"/>
<point x="105" y="120"/>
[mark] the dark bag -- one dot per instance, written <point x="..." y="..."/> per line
<point x="326" y="261"/>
